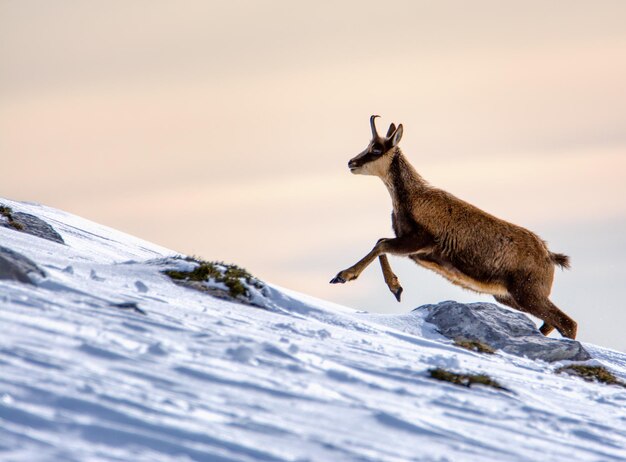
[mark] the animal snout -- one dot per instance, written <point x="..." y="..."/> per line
<point x="352" y="164"/>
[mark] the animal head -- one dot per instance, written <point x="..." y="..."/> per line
<point x="376" y="158"/>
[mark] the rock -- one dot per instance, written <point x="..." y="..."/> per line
<point x="500" y="328"/>
<point x="29" y="224"/>
<point x="35" y="226"/>
<point x="16" y="267"/>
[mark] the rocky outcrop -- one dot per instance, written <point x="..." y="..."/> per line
<point x="29" y="224"/>
<point x="16" y="267"/>
<point x="501" y="329"/>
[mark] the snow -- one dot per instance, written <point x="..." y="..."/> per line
<point x="199" y="378"/>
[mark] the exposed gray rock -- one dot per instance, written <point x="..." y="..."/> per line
<point x="501" y="329"/>
<point x="30" y="224"/>
<point x="16" y="267"/>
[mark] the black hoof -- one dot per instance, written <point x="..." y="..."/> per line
<point x="398" y="293"/>
<point x="337" y="280"/>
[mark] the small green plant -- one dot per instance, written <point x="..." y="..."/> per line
<point x="228" y="274"/>
<point x="464" y="380"/>
<point x="591" y="374"/>
<point x="7" y="212"/>
<point x="474" y="345"/>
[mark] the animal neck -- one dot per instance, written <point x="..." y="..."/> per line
<point x="401" y="179"/>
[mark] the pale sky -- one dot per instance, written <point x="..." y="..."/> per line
<point x="223" y="130"/>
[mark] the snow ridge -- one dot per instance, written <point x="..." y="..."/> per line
<point x="198" y="378"/>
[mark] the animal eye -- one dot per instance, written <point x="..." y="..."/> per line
<point x="377" y="150"/>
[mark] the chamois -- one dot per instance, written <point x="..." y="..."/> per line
<point x="464" y="244"/>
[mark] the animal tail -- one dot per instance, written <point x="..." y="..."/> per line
<point x="560" y="259"/>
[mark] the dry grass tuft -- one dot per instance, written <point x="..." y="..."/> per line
<point x="474" y="345"/>
<point x="7" y="212"/>
<point x="464" y="380"/>
<point x="592" y="374"/>
<point x="228" y="274"/>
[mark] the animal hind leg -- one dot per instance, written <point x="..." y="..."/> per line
<point x="507" y="300"/>
<point x="390" y="278"/>
<point x="546" y="328"/>
<point x="548" y="312"/>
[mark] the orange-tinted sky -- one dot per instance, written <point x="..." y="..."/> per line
<point x="223" y="129"/>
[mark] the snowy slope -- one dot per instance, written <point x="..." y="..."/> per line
<point x="202" y="379"/>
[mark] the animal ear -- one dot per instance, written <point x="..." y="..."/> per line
<point x="392" y="128"/>
<point x="397" y="136"/>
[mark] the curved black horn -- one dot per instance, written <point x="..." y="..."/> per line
<point x="373" y="125"/>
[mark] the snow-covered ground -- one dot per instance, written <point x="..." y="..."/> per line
<point x="197" y="378"/>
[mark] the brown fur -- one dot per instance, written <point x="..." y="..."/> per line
<point x="459" y="241"/>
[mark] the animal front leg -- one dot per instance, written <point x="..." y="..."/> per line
<point x="355" y="270"/>
<point x="405" y="245"/>
<point x="390" y="278"/>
